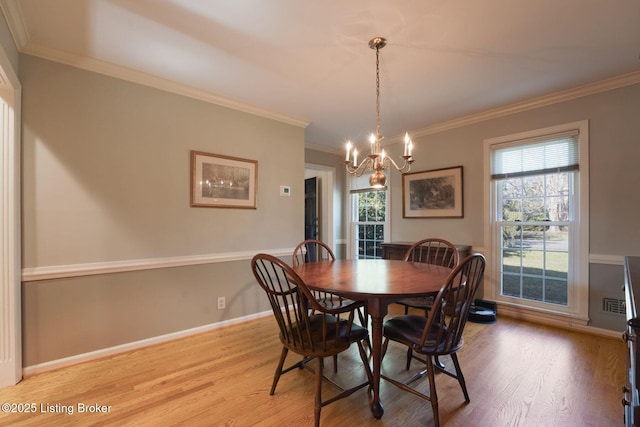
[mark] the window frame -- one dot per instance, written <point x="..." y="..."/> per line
<point x="352" y="249"/>
<point x="578" y="292"/>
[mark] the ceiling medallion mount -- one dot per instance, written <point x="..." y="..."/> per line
<point x="377" y="43"/>
<point x="377" y="162"/>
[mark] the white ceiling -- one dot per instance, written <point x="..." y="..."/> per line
<point x="308" y="63"/>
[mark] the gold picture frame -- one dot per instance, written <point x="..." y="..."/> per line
<point x="222" y="181"/>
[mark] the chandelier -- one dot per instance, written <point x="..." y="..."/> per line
<point x="377" y="162"/>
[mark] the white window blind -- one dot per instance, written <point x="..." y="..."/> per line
<point x="361" y="184"/>
<point x="548" y="154"/>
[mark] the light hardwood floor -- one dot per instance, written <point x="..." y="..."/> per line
<point x="518" y="374"/>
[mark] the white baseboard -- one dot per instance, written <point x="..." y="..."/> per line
<point x="563" y="322"/>
<point x="85" y="357"/>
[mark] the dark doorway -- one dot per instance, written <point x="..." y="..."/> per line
<point x="311" y="208"/>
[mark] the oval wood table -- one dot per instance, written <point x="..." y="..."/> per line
<point x="379" y="282"/>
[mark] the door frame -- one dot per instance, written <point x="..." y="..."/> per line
<point x="10" y="213"/>
<point x="327" y="178"/>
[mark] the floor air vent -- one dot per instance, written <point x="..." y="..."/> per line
<point x="613" y="305"/>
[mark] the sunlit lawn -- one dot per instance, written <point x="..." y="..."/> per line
<point x="540" y="282"/>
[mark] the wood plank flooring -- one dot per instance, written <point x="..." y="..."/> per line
<point x="518" y="374"/>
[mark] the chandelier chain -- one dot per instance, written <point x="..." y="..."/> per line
<point x="377" y="94"/>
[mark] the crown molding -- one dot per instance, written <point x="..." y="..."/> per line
<point x="13" y="14"/>
<point x="530" y="104"/>
<point x="15" y="20"/>
<point x="17" y="27"/>
<point x="323" y="148"/>
<point x="128" y="74"/>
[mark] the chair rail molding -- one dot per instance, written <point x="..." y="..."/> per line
<point x="76" y="270"/>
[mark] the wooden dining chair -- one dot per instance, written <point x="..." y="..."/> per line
<point x="440" y="333"/>
<point x="315" y="250"/>
<point x="429" y="251"/>
<point x="324" y="333"/>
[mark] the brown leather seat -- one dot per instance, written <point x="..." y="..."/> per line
<point x="312" y="250"/>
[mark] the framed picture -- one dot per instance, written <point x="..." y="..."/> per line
<point x="433" y="194"/>
<point x="223" y="181"/>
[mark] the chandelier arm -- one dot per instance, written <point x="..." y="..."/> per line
<point x="406" y="165"/>
<point x="366" y="164"/>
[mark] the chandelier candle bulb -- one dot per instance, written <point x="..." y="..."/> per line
<point x="348" y="151"/>
<point x="355" y="157"/>
<point x="407" y="140"/>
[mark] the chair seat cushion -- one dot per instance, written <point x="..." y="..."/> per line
<point x="332" y="334"/>
<point x="333" y="302"/>
<point x="408" y="330"/>
<point x="417" y="302"/>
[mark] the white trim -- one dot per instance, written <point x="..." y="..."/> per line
<point x="76" y="270"/>
<point x="85" y="357"/>
<point x="553" y="319"/>
<point x="327" y="204"/>
<point x="93" y="355"/>
<point x="13" y="14"/>
<point x="531" y="104"/>
<point x="142" y="78"/>
<point x="19" y="31"/>
<point x="324" y="148"/>
<point x="606" y="259"/>
<point x="578" y="306"/>
<point x="10" y="208"/>
<point x="351" y="249"/>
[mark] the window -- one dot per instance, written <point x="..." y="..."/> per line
<point x="538" y="224"/>
<point x="369" y="208"/>
<point x="369" y="214"/>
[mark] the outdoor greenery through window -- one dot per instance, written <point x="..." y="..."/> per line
<point x="534" y="182"/>
<point x="535" y="237"/>
<point x="369" y="222"/>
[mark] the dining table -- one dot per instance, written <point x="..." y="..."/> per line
<point x="377" y="282"/>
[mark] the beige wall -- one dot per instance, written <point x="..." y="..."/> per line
<point x="614" y="147"/>
<point x="614" y="150"/>
<point x="614" y="175"/>
<point x="106" y="179"/>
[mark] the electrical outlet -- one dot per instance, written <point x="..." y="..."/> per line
<point x="221" y="303"/>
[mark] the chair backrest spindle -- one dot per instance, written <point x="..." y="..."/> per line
<point x="448" y="315"/>
<point x="312" y="251"/>
<point x="433" y="251"/>
<point x="294" y="304"/>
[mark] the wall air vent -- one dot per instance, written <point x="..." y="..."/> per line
<point x="613" y="305"/>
